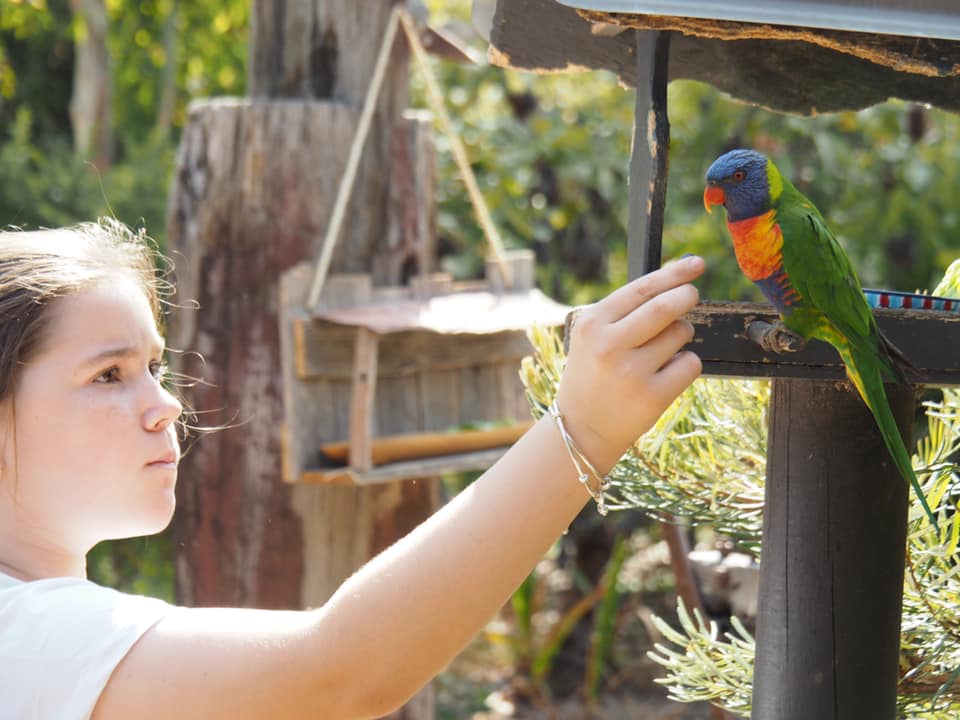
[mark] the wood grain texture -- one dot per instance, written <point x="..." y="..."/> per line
<point x="828" y="628"/>
<point x="648" y="154"/>
<point x="787" y="75"/>
<point x="721" y="342"/>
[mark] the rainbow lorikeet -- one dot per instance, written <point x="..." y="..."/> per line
<point x="783" y="245"/>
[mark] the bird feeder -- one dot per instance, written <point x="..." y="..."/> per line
<point x="395" y="382"/>
<point x="835" y="506"/>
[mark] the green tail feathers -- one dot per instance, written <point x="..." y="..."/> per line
<point x="867" y="372"/>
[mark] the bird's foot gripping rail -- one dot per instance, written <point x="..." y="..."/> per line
<point x="774" y="337"/>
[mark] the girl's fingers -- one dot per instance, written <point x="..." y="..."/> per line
<point x="676" y="375"/>
<point x="652" y="318"/>
<point x="658" y="351"/>
<point x="624" y="300"/>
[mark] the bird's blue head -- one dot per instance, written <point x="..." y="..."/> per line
<point x="745" y="182"/>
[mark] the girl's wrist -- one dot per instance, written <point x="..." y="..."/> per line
<point x="591" y="456"/>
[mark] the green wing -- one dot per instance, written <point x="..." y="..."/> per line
<point x="820" y="271"/>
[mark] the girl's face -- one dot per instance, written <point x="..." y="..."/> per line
<point x="90" y="449"/>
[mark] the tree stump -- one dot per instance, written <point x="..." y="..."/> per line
<point x="253" y="191"/>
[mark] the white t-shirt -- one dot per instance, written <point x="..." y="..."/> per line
<point x="60" y="640"/>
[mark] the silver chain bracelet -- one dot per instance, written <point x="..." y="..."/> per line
<point x="585" y="469"/>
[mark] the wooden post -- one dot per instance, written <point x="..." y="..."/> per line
<point x="831" y="578"/>
<point x="365" y="352"/>
<point x="648" y="199"/>
<point x="648" y="156"/>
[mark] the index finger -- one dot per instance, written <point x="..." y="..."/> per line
<point x="624" y="300"/>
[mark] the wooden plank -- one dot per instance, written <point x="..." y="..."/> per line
<point x="326" y="351"/>
<point x="308" y="408"/>
<point x="362" y="399"/>
<point x="521" y="263"/>
<point x="788" y="76"/>
<point x="648" y="155"/>
<point x="398" y="406"/>
<point x="511" y="400"/>
<point x="426" y="286"/>
<point x="439" y="398"/>
<point x="341" y="393"/>
<point x="721" y="342"/>
<point x="412" y="446"/>
<point x="831" y="581"/>
<point x="392" y="472"/>
<point x="478" y="394"/>
<point x="412" y="207"/>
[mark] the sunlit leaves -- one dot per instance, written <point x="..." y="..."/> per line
<point x="207" y="44"/>
<point x="704" y="666"/>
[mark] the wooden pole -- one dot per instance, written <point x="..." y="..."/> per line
<point x="648" y="156"/>
<point x="648" y="199"/>
<point x="831" y="578"/>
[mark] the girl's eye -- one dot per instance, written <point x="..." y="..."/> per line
<point x="158" y="369"/>
<point x="109" y="376"/>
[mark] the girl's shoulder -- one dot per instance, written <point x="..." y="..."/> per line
<point x="60" y="640"/>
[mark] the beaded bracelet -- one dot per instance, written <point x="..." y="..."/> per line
<point x="580" y="462"/>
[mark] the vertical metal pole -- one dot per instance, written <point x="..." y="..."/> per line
<point x="831" y="576"/>
<point x="648" y="155"/>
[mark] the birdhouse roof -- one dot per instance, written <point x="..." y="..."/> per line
<point x="477" y="313"/>
<point x="914" y="18"/>
<point x="804" y="57"/>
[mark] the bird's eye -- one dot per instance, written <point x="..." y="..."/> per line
<point x="739" y="175"/>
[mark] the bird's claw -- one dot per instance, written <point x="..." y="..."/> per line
<point x="774" y="337"/>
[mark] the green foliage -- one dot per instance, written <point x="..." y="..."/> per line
<point x="542" y="626"/>
<point x="708" y="667"/>
<point x="605" y="623"/>
<point x="704" y="461"/>
<point x="138" y="565"/>
<point x="185" y="49"/>
<point x="548" y="177"/>
<point x="42" y="186"/>
<point x="48" y="185"/>
<point x="204" y="45"/>
<point x="36" y="63"/>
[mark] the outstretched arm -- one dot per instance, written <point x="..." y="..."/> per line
<point x="407" y="613"/>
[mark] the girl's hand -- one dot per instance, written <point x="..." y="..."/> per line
<point x="624" y="367"/>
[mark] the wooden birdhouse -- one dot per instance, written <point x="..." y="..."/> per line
<point x="835" y="507"/>
<point x="388" y="383"/>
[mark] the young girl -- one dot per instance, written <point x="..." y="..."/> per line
<point x="88" y="452"/>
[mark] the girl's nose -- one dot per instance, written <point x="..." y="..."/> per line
<point x="164" y="410"/>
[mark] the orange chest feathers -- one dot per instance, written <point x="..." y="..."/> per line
<point x="758" y="243"/>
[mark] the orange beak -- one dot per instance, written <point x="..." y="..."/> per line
<point x="713" y="195"/>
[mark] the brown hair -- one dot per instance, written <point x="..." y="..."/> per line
<point x="38" y="267"/>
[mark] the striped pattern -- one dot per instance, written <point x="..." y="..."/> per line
<point x="779" y="291"/>
<point x="910" y="301"/>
